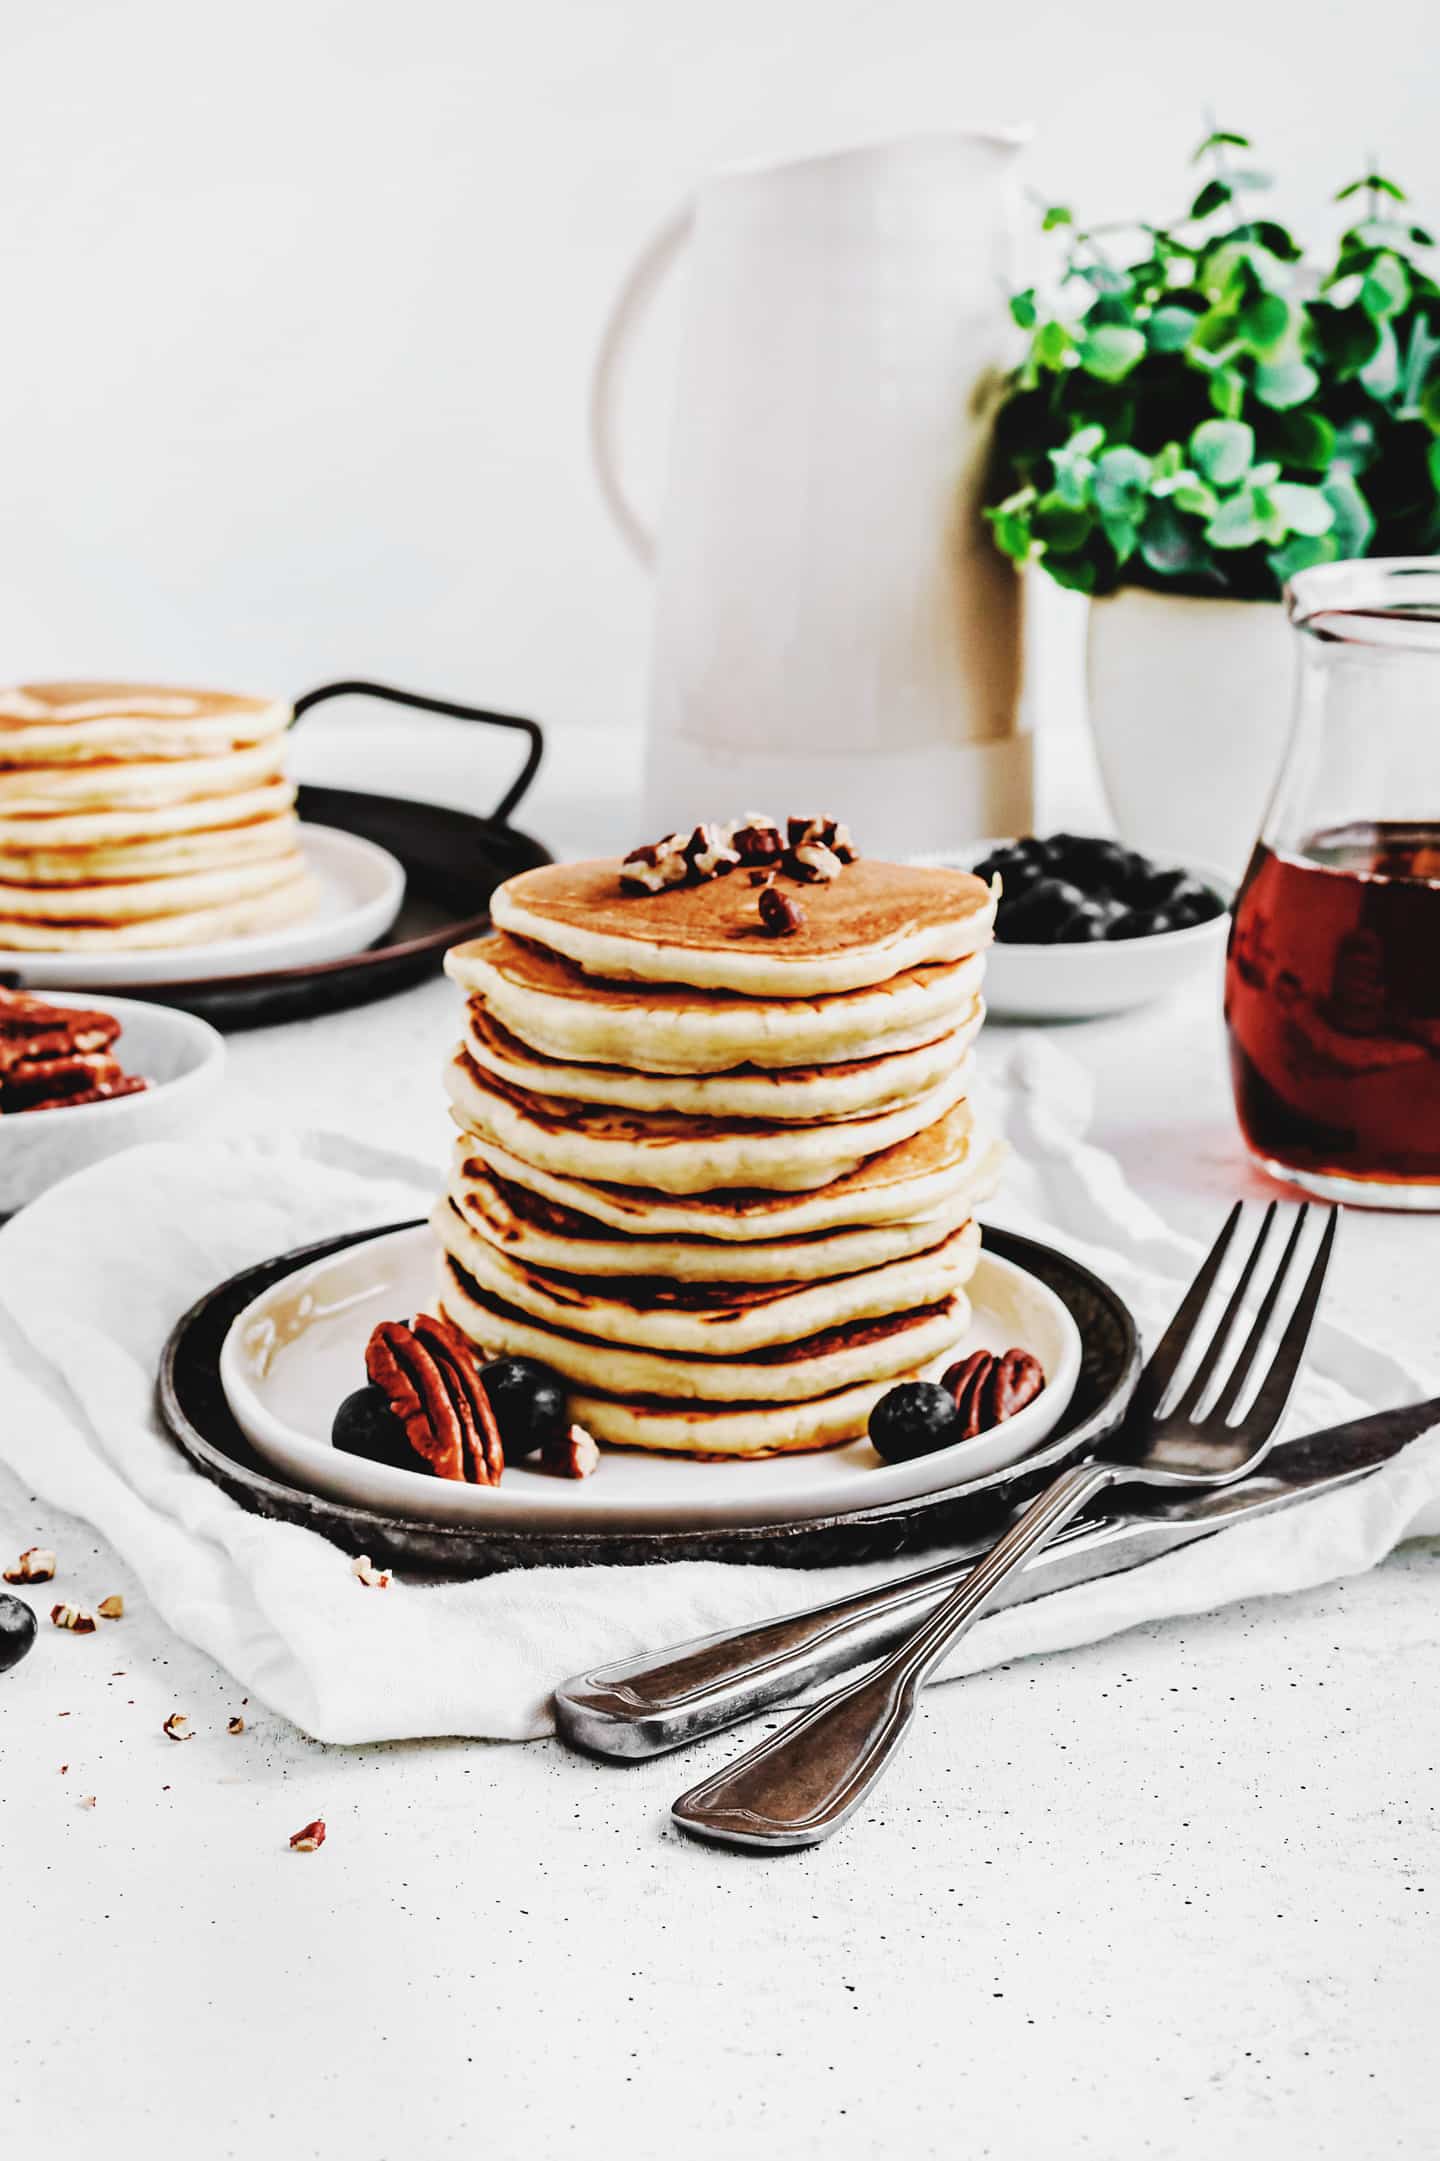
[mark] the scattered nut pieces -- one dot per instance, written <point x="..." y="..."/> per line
<point x="649" y="870"/>
<point x="178" y="1727"/>
<point x="308" y="1837"/>
<point x="374" y="1579"/>
<point x="111" y="1608"/>
<point x="35" y="1565"/>
<point x="235" y="1725"/>
<point x="87" y="1800"/>
<point x="708" y="852"/>
<point x="779" y="914"/>
<point x="574" y="1457"/>
<point x="814" y="862"/>
<point x="77" y="1619"/>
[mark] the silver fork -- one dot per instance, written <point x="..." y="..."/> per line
<point x="802" y="1783"/>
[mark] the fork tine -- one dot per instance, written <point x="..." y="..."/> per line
<point x="1230" y="1394"/>
<point x="1165" y="1359"/>
<point x="1214" y="1351"/>
<point x="1265" y="1412"/>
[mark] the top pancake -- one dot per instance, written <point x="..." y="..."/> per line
<point x="93" y="723"/>
<point x="873" y="921"/>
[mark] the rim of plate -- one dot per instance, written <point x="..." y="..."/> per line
<point x="533" y="1498"/>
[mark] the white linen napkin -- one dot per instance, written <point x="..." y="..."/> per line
<point x="94" y="1274"/>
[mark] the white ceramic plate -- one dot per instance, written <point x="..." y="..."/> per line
<point x="361" y="888"/>
<point x="298" y="1350"/>
<point x="1080" y="982"/>
<point x="182" y="1058"/>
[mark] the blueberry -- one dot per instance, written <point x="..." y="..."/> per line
<point x="17" y="1630"/>
<point x="1201" y="906"/>
<point x="1161" y="888"/>
<point x="1090" y="923"/>
<point x="529" y="1402"/>
<point x="366" y="1426"/>
<point x="1017" y="877"/>
<point x="1037" y="917"/>
<point x="913" y="1420"/>
<point x="1129" y="924"/>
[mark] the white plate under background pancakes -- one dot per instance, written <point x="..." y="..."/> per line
<point x="361" y="887"/>
<point x="295" y="1352"/>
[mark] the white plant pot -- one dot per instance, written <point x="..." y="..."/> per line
<point x="1190" y="704"/>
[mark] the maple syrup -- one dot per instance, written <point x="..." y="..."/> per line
<point x="1332" y="1002"/>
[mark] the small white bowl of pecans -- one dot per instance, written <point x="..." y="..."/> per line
<point x="79" y="1082"/>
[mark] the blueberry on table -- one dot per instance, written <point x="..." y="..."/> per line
<point x="17" y="1630"/>
<point x="366" y="1426"/>
<point x="529" y="1402"/>
<point x="913" y="1420"/>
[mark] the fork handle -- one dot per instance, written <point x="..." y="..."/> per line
<point x="805" y="1781"/>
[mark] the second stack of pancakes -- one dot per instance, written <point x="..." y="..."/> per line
<point x="136" y="816"/>
<point x="720" y="1174"/>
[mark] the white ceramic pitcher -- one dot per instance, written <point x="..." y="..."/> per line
<point x="834" y="630"/>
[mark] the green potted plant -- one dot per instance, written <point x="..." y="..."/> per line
<point x="1202" y="411"/>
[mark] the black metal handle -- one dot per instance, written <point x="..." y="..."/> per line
<point x="453" y="711"/>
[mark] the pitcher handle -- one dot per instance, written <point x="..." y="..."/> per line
<point x="628" y="310"/>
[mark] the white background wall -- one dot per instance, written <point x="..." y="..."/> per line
<point x="299" y="297"/>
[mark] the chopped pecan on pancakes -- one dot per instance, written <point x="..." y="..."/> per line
<point x="779" y="914"/>
<point x="826" y="833"/>
<point x="430" y="1379"/>
<point x="651" y="869"/>
<point x="991" y="1386"/>
<point x="709" y="852"/>
<point x="758" y="839"/>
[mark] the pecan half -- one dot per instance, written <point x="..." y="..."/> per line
<point x="432" y="1383"/>
<point x="990" y="1387"/>
<point x="779" y="914"/>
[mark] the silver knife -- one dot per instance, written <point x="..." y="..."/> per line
<point x="642" y="1706"/>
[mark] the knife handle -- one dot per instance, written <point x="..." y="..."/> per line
<point x="644" y="1705"/>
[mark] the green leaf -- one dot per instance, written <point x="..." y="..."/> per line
<point x="1304" y="439"/>
<point x="1171" y="544"/>
<point x="1212" y="197"/>
<point x="1053" y="346"/>
<point x="1077" y="572"/>
<point x="1381" y="373"/>
<point x="1122" y="477"/>
<point x="1283" y="383"/>
<point x="1347" y="337"/>
<point x="1086" y="441"/>
<point x="1354" y="524"/>
<point x="1169" y="329"/>
<point x="1123" y="534"/>
<point x="1023" y="309"/>
<point x="1167" y="463"/>
<point x="1377" y="183"/>
<point x="1111" y="351"/>
<point x="1265" y="233"/>
<point x="1056" y="216"/>
<point x="1434" y="463"/>
<point x="1221" y="139"/>
<point x="1062" y="527"/>
<point x="1355" y="444"/>
<point x="1191" y="494"/>
<point x="1222" y="450"/>
<point x="1386" y="288"/>
<point x="1301" y="553"/>
<point x="1263" y="322"/>
<point x="1304" y="510"/>
<point x="1227" y="393"/>
<point x="1235" y="525"/>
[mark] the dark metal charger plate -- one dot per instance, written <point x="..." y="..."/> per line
<point x="453" y="861"/>
<point x="193" y="1407"/>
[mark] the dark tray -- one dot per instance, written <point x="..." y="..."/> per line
<point x="193" y="1407"/>
<point x="453" y="862"/>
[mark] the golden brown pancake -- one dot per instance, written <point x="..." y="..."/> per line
<point x="860" y="928"/>
<point x="90" y="723"/>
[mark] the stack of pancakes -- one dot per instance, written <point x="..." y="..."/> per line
<point x="723" y="1182"/>
<point x="135" y="817"/>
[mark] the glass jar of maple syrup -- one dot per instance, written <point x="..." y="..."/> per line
<point x="1332" y="992"/>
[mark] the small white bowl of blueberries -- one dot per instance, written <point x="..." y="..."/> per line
<point x="1087" y="926"/>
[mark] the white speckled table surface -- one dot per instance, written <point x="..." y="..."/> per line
<point x="1155" y="1897"/>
